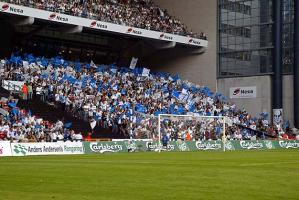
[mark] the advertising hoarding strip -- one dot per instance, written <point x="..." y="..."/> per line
<point x="127" y="146"/>
<point x="72" y="148"/>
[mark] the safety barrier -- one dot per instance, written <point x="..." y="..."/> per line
<point x="125" y="146"/>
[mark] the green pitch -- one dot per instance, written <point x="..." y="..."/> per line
<point x="236" y="175"/>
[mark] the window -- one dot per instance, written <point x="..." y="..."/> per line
<point x="246" y="40"/>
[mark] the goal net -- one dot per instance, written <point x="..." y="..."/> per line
<point x="191" y="128"/>
<point x="178" y="128"/>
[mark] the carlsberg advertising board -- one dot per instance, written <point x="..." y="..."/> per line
<point x="104" y="147"/>
<point x="66" y="148"/>
<point x="230" y="145"/>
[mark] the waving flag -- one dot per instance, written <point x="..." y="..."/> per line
<point x="68" y="125"/>
<point x="140" y="108"/>
<point x="92" y="64"/>
<point x="145" y="72"/>
<point x="133" y="63"/>
<point x="77" y="66"/>
<point x="175" y="94"/>
<point x="176" y="77"/>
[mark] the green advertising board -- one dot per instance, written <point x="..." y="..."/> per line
<point x="216" y="145"/>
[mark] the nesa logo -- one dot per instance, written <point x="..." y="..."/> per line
<point x="5" y="7"/>
<point x="164" y="36"/>
<point x="58" y="18"/>
<point x="131" y="30"/>
<point x="243" y="92"/>
<point x="15" y="10"/>
<point x="237" y="91"/>
<point x="52" y="16"/>
<point x="93" y="23"/>
<point x="98" y="24"/>
<point x="246" y="91"/>
<point x="192" y="41"/>
<point x="63" y="19"/>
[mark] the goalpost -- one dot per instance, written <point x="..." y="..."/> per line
<point x="196" y="126"/>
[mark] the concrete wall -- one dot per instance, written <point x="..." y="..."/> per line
<point x="288" y="98"/>
<point x="263" y="102"/>
<point x="200" y="16"/>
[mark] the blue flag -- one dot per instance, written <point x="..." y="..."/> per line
<point x="175" y="94"/>
<point x="68" y="125"/>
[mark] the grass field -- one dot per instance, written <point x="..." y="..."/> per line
<point x="152" y="176"/>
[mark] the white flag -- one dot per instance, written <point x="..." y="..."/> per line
<point x="184" y="91"/>
<point x="113" y="70"/>
<point x="145" y="72"/>
<point x="25" y="64"/>
<point x="133" y="63"/>
<point x="92" y="64"/>
<point x="93" y="124"/>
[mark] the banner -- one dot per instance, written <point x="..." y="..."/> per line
<point x="242" y="92"/>
<point x="216" y="145"/>
<point x="249" y="145"/>
<point x="133" y="63"/>
<point x="286" y="144"/>
<point x="5" y="149"/>
<point x="67" y="148"/>
<point x="277" y="117"/>
<point x="46" y="148"/>
<point x="12" y="85"/>
<point x="261" y="144"/>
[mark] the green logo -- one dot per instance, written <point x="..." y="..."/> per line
<point x="20" y="149"/>
<point x="229" y="145"/>
<point x="183" y="146"/>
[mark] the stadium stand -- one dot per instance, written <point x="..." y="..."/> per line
<point x="129" y="100"/>
<point x="19" y="125"/>
<point x="135" y="13"/>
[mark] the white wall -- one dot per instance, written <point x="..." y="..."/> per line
<point x="263" y="102"/>
<point x="200" y="16"/>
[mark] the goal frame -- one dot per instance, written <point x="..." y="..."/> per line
<point x="202" y="116"/>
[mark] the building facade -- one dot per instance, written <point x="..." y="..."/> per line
<point x="245" y="37"/>
<point x="256" y="49"/>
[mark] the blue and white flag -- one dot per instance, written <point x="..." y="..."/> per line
<point x="145" y="72"/>
<point x="133" y="63"/>
<point x="92" y="64"/>
<point x="175" y="94"/>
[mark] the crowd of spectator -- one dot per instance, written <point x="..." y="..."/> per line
<point x="19" y="125"/>
<point x="129" y="100"/>
<point x="135" y="13"/>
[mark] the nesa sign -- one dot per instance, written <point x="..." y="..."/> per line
<point x="242" y="92"/>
